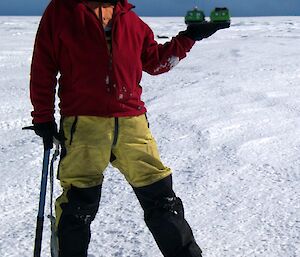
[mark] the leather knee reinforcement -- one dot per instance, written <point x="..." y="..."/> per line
<point x="164" y="216"/>
<point x="74" y="225"/>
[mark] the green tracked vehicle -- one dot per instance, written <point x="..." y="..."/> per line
<point x="220" y="14"/>
<point x="194" y="16"/>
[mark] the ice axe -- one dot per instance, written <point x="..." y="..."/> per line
<point x="42" y="201"/>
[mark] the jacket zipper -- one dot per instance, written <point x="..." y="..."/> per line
<point x="109" y="54"/>
<point x="100" y="23"/>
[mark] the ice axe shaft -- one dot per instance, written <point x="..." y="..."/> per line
<point x="42" y="200"/>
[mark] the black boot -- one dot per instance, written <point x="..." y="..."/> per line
<point x="74" y="225"/>
<point x="164" y="216"/>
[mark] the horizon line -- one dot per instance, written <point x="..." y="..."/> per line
<point x="161" y="16"/>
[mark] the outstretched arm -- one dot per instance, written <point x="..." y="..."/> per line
<point x="158" y="58"/>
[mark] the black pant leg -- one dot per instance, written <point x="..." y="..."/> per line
<point x="74" y="225"/>
<point x="164" y="216"/>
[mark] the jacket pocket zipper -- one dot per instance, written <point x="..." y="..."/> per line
<point x="116" y="132"/>
<point x="73" y="129"/>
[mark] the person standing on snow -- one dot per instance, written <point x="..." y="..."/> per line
<point x="100" y="49"/>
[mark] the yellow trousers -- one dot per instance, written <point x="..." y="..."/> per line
<point x="93" y="142"/>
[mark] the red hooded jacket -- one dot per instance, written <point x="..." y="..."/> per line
<point x="71" y="41"/>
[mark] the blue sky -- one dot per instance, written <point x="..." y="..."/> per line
<point x="172" y="7"/>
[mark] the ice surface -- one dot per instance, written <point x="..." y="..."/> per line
<point x="227" y="121"/>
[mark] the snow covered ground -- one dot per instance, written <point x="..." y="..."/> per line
<point x="227" y="121"/>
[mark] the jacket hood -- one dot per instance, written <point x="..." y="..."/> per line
<point x="123" y="6"/>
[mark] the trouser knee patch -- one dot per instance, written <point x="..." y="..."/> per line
<point x="83" y="203"/>
<point x="159" y="198"/>
<point x="170" y="204"/>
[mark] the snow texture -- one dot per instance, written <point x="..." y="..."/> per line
<point x="227" y="121"/>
